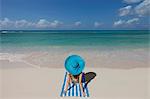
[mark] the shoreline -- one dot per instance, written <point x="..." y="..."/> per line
<point x="54" y="58"/>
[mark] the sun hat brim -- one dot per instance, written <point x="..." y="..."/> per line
<point x="74" y="64"/>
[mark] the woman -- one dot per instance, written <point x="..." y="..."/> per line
<point x="74" y="65"/>
<point x="75" y="79"/>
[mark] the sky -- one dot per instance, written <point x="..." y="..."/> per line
<point x="74" y="14"/>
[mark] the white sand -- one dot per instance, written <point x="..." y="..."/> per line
<point x="46" y="83"/>
<point x="121" y="74"/>
<point x="0" y="83"/>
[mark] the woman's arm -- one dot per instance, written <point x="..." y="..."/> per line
<point x="80" y="82"/>
<point x="68" y="82"/>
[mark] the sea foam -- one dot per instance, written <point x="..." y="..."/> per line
<point x="12" y="57"/>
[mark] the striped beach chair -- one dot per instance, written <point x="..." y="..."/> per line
<point x="74" y="90"/>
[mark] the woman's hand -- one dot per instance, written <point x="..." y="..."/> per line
<point x="83" y="94"/>
<point x="65" y="91"/>
<point x="67" y="84"/>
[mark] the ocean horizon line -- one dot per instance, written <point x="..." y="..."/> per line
<point x="75" y="31"/>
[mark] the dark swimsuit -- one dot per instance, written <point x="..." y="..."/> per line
<point x="76" y="77"/>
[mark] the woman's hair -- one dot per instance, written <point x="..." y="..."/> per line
<point x="76" y="76"/>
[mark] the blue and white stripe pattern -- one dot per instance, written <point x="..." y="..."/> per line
<point x="74" y="90"/>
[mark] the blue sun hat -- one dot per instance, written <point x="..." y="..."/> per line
<point x="74" y="64"/>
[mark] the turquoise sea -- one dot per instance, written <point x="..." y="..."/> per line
<point x="109" y="48"/>
<point x="76" y="38"/>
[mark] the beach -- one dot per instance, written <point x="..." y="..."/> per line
<point x="34" y="68"/>
<point x="32" y="77"/>
<point x="74" y="49"/>
<point x="46" y="83"/>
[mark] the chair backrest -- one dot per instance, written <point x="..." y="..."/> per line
<point x="74" y="90"/>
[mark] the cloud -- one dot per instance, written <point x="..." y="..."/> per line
<point x="23" y="23"/>
<point x="9" y="24"/>
<point x="6" y="23"/>
<point x="131" y="21"/>
<point x="97" y="24"/>
<point x="125" y="10"/>
<point x="143" y="8"/>
<point x="126" y="23"/>
<point x="119" y="22"/>
<point x="132" y="1"/>
<point x="42" y="23"/>
<point x="78" y="23"/>
<point x="55" y="24"/>
<point x="136" y="8"/>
